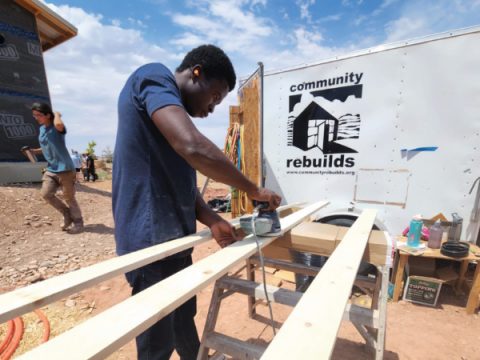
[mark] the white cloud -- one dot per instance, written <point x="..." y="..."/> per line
<point x="432" y="16"/>
<point x="188" y="40"/>
<point x="86" y="73"/>
<point x="248" y="38"/>
<point x="224" y="23"/>
<point x="359" y="20"/>
<point x="385" y="4"/>
<point x="334" y="17"/>
<point x="304" y="6"/>
<point x="405" y="28"/>
<point x="255" y="3"/>
<point x="136" y="22"/>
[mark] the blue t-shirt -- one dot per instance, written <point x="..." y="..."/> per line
<point x="54" y="150"/>
<point x="154" y="189"/>
<point x="77" y="162"/>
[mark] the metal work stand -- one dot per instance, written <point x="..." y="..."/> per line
<point x="370" y="323"/>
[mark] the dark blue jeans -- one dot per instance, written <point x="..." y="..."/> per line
<point x="176" y="330"/>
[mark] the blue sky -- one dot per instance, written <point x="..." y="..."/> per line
<point x="115" y="37"/>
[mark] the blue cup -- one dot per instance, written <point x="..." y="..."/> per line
<point x="414" y="233"/>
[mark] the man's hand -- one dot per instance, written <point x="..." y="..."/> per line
<point x="25" y="148"/>
<point x="269" y="196"/>
<point x="224" y="233"/>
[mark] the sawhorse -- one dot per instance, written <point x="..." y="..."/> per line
<point x="370" y="323"/>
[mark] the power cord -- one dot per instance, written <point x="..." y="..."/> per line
<point x="262" y="265"/>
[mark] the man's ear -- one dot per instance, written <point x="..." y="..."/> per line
<point x="196" y="72"/>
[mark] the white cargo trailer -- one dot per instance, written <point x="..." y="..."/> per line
<point x="395" y="127"/>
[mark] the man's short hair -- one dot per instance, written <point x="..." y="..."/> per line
<point x="215" y="64"/>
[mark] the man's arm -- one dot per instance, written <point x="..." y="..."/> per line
<point x="58" y="123"/>
<point x="180" y="132"/>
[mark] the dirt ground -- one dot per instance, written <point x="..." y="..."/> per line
<point x="34" y="248"/>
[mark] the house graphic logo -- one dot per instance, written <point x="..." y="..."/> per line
<point x="316" y="127"/>
<point x="311" y="126"/>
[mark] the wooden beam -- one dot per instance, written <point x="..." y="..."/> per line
<point x="474" y="295"/>
<point x="353" y="313"/>
<point x="114" y="327"/>
<point x="311" y="329"/>
<point x="360" y="280"/>
<point x="29" y="298"/>
<point x="251" y="288"/>
<point x="233" y="347"/>
<point x="287" y="265"/>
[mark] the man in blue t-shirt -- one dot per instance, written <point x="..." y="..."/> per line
<point x="60" y="170"/>
<point x="155" y="198"/>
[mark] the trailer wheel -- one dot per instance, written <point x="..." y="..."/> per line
<point x="347" y="221"/>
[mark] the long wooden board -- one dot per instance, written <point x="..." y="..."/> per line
<point x="311" y="329"/>
<point x="103" y="334"/>
<point x="29" y="298"/>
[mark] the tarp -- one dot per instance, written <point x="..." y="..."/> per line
<point x="22" y="80"/>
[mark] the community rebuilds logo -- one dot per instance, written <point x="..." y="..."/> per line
<point x="312" y="125"/>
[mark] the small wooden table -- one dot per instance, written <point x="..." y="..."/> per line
<point x="473" y="298"/>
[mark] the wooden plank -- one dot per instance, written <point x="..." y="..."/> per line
<point x="211" y="320"/>
<point x="285" y="275"/>
<point x="287" y="265"/>
<point x="250" y="119"/>
<point x="311" y="329"/>
<point x="250" y="288"/>
<point x="310" y="237"/>
<point x="401" y="262"/>
<point x="114" y="327"/>
<point x="29" y="298"/>
<point x="247" y="115"/>
<point x="435" y="253"/>
<point x="352" y="313"/>
<point x="322" y="239"/>
<point x="360" y="280"/>
<point x="233" y="347"/>
<point x="276" y="252"/>
<point x="360" y="315"/>
<point x="382" y="309"/>
<point x="474" y="295"/>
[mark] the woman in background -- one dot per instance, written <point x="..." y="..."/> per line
<point x="60" y="171"/>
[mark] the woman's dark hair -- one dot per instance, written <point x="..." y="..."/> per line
<point x="215" y="64"/>
<point x="44" y="108"/>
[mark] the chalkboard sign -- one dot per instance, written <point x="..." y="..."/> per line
<point x="422" y="290"/>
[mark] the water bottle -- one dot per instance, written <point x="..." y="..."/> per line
<point x="436" y="234"/>
<point x="415" y="231"/>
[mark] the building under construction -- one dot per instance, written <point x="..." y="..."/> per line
<point x="27" y="29"/>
